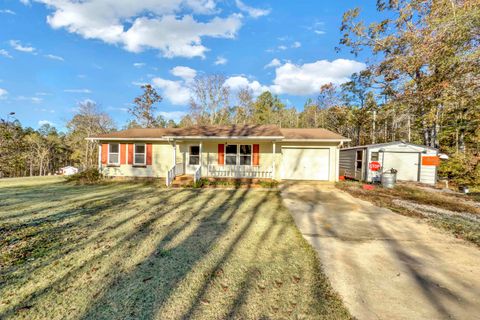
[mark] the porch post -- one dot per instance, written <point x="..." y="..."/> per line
<point x="100" y="156"/>
<point x="201" y="157"/>
<point x="174" y="153"/>
<point x="274" y="156"/>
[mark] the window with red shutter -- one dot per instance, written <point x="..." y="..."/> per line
<point x="104" y="153"/>
<point x="256" y="154"/>
<point x="149" y="154"/>
<point x="221" y="154"/>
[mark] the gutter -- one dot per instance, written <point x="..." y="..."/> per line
<point x="172" y="138"/>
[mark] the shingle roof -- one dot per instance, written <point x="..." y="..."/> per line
<point x="310" y="134"/>
<point x="267" y="131"/>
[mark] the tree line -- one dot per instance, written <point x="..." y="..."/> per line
<point x="422" y="85"/>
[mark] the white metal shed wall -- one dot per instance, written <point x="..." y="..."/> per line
<point x="427" y="173"/>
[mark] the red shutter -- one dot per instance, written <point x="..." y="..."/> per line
<point x="130" y="153"/>
<point x="256" y="154"/>
<point x="123" y="153"/>
<point x="149" y="154"/>
<point x="221" y="154"/>
<point x="104" y="153"/>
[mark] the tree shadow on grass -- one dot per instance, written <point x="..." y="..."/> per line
<point x="142" y="291"/>
<point x="76" y="248"/>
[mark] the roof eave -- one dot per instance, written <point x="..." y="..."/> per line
<point x="318" y="140"/>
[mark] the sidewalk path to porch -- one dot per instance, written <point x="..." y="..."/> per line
<point x="385" y="265"/>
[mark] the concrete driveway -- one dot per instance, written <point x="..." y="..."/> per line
<point x="385" y="265"/>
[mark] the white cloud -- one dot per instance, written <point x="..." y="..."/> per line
<point x="30" y="99"/>
<point x="186" y="73"/>
<point x="54" y="57"/>
<point x="272" y="64"/>
<point x="140" y="25"/>
<point x="43" y="122"/>
<point x="282" y="47"/>
<point x="173" y="115"/>
<point x="25" y="2"/>
<point x="7" y="11"/>
<point x="15" y="44"/>
<point x="240" y="82"/>
<point x="307" y="79"/>
<point x="3" y="93"/>
<point x="319" y="32"/>
<point x="139" y="64"/>
<point x="178" y="37"/>
<point x="253" y="12"/>
<point x="45" y="110"/>
<point x="77" y="91"/>
<point x="4" y="53"/>
<point x="296" y="44"/>
<point x="177" y="92"/>
<point x="220" y="61"/>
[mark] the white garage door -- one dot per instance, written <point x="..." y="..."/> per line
<point x="305" y="163"/>
<point x="405" y="163"/>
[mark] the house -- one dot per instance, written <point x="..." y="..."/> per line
<point x="68" y="170"/>
<point x="413" y="162"/>
<point x="248" y="151"/>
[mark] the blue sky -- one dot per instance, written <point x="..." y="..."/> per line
<point x="57" y="53"/>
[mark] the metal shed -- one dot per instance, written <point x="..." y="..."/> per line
<point x="413" y="162"/>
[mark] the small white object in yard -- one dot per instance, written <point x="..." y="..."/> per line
<point x="68" y="170"/>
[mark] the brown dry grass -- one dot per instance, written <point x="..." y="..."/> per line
<point x="133" y="250"/>
<point x="458" y="225"/>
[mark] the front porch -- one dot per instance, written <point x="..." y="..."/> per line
<point x="221" y="172"/>
<point x="213" y="160"/>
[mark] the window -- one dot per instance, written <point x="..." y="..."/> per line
<point x="238" y="154"/>
<point x="359" y="159"/>
<point x="114" y="153"/>
<point x="139" y="156"/>
<point x="245" y="154"/>
<point x="194" y="157"/>
<point x="231" y="154"/>
<point x="374" y="156"/>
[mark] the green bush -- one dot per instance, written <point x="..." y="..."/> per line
<point x="461" y="168"/>
<point x="89" y="176"/>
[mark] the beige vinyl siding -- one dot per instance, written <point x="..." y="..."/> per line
<point x="162" y="157"/>
<point x="162" y="161"/>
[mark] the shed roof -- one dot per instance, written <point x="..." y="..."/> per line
<point x="376" y="145"/>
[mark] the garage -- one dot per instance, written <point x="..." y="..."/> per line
<point x="305" y="163"/>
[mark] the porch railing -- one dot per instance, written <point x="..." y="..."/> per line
<point x="197" y="174"/>
<point x="177" y="170"/>
<point x="236" y="171"/>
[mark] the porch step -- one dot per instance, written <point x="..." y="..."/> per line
<point x="182" y="181"/>
<point x="184" y="177"/>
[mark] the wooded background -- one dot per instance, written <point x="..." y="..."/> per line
<point x="422" y="85"/>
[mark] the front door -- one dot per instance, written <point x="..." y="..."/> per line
<point x="192" y="159"/>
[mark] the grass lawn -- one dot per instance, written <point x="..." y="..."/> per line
<point x="139" y="251"/>
<point x="455" y="213"/>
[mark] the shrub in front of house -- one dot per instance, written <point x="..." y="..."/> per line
<point x="89" y="176"/>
